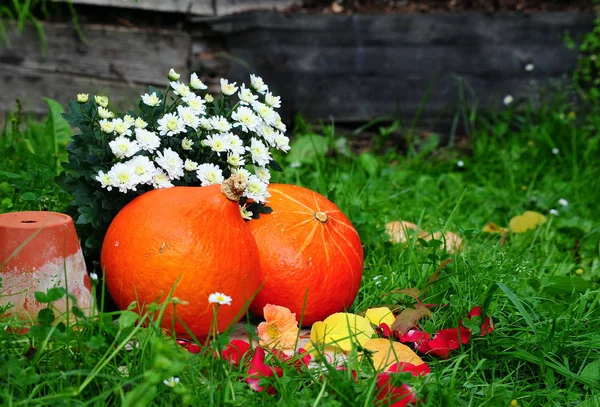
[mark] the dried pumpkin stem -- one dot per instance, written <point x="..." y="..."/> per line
<point x="321" y="217"/>
<point x="233" y="187"/>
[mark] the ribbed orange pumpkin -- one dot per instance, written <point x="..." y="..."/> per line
<point x="193" y="233"/>
<point x="308" y="248"/>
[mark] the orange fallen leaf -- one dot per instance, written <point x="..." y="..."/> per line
<point x="387" y="352"/>
<point x="493" y="228"/>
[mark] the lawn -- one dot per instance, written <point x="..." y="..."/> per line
<point x="540" y="288"/>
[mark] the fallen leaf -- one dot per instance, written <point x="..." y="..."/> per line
<point x="387" y="353"/>
<point x="409" y="318"/>
<point x="451" y="241"/>
<point x="527" y="221"/>
<point x="398" y="231"/>
<point x="341" y="330"/>
<point x="413" y="292"/>
<point x="493" y="228"/>
<point x="380" y="315"/>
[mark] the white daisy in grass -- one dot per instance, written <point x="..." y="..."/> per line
<point x="186" y="144"/>
<point x="553" y="212"/>
<point x="265" y="112"/>
<point x="217" y="143"/>
<point x="555" y="151"/>
<point x="282" y="142"/>
<point x="180" y="89"/>
<point x="205" y="123"/>
<point x="190" y="165"/>
<point x="171" y="382"/>
<point x="160" y="179"/>
<point x="234" y="160"/>
<point x="173" y="76"/>
<point x="151" y="100"/>
<point x="196" y="83"/>
<point x="104" y="180"/>
<point x="263" y="174"/>
<point x="188" y="116"/>
<point x="105" y="113"/>
<point x="196" y="103"/>
<point x="129" y="120"/>
<point x="244" y="173"/>
<point x="143" y="168"/>
<point x="220" y="123"/>
<point x="260" y="153"/>
<point x="209" y="174"/>
<point x="170" y="125"/>
<point x="245" y="118"/>
<point x="234" y="144"/>
<point x="121" y="127"/>
<point x="147" y="140"/>
<point x="123" y="177"/>
<point x="273" y="101"/>
<point x="246" y="96"/>
<point x="258" y="84"/>
<point x="122" y="147"/>
<point x="256" y="189"/>
<point x="246" y="214"/>
<point x="106" y="126"/>
<point x="508" y="99"/>
<point x="101" y="101"/>
<point x="228" y="88"/>
<point x="563" y="202"/>
<point x="266" y="132"/>
<point x="219" y="298"/>
<point x="170" y="161"/>
<point x="140" y="123"/>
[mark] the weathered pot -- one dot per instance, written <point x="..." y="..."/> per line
<point x="39" y="251"/>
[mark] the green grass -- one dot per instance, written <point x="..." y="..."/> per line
<point x="543" y="351"/>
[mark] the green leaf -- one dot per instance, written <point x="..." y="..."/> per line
<point x="46" y="317"/>
<point x="127" y="319"/>
<point x="369" y="163"/>
<point x="305" y="148"/>
<point x="567" y="285"/>
<point x="28" y="196"/>
<point x="592" y="370"/>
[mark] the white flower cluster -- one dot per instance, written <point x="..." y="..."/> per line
<point x="195" y="139"/>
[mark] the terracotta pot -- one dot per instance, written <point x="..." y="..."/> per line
<point x="38" y="251"/>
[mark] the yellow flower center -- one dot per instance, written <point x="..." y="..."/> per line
<point x="123" y="177"/>
<point x="139" y="170"/>
<point x="172" y="124"/>
<point x="273" y="331"/>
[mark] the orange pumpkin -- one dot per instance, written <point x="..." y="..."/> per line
<point x="195" y="234"/>
<point x="308" y="248"/>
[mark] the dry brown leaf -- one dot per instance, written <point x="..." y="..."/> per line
<point x="409" y="318"/>
<point x="398" y="231"/>
<point x="493" y="228"/>
<point x="451" y="241"/>
<point x="386" y="353"/>
<point x="412" y="292"/>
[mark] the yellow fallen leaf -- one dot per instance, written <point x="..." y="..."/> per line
<point x="527" y="221"/>
<point x="380" y="315"/>
<point x="493" y="228"/>
<point x="387" y="352"/>
<point x="452" y="241"/>
<point x="341" y="330"/>
<point x="398" y="231"/>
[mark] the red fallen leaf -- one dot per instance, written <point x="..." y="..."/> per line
<point x="259" y="370"/>
<point x="414" y="336"/>
<point x="487" y="326"/>
<point x="393" y="396"/>
<point x="352" y="372"/>
<point x="235" y="351"/>
<point x="190" y="346"/>
<point x="444" y="341"/>
<point x="420" y="370"/>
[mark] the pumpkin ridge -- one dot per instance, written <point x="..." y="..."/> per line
<point x="316" y="203"/>
<point x="292" y="199"/>
<point x="344" y="224"/>
<point x="326" y="248"/>
<point x="311" y="213"/>
<point x="307" y="241"/>
<point x="299" y="224"/>
<point x="348" y="243"/>
<point x="342" y="252"/>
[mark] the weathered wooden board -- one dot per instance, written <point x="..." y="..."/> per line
<point x="356" y="68"/>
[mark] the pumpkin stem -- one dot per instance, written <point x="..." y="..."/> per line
<point x="321" y="217"/>
<point x="233" y="187"/>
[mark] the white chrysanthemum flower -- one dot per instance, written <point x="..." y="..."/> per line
<point x="234" y="160"/>
<point x="209" y="174"/>
<point x="220" y="123"/>
<point x="256" y="189"/>
<point x="140" y="123"/>
<point x="122" y="147"/>
<point x="228" y="88"/>
<point x="82" y="97"/>
<point x="244" y="173"/>
<point x="279" y="125"/>
<point x="171" y="382"/>
<point x="263" y="174"/>
<point x="258" y="84"/>
<point x="234" y="144"/>
<point x="246" y="96"/>
<point x="180" y="89"/>
<point x="273" y="101"/>
<point x="173" y="76"/>
<point x="160" y="179"/>
<point x="170" y="161"/>
<point x="105" y="113"/>
<point x="101" y="100"/>
<point x="123" y="177"/>
<point x="151" y="100"/>
<point x="265" y="112"/>
<point x="205" y="123"/>
<point x="186" y="144"/>
<point x="246" y="214"/>
<point x="104" y="180"/>
<point x="266" y="132"/>
<point x="147" y="140"/>
<point x="245" y="118"/>
<point x="554" y="212"/>
<point x="508" y="99"/>
<point x="170" y="125"/>
<point x="282" y="142"/>
<point x="129" y="120"/>
<point x="217" y="143"/>
<point x="219" y="298"/>
<point x="555" y="151"/>
<point x="106" y="126"/>
<point x="460" y="163"/>
<point x="260" y="152"/>
<point x="143" y="168"/>
<point x="196" y="103"/>
<point x="563" y="202"/>
<point x="190" y="165"/>
<point x="121" y="127"/>
<point x="188" y="116"/>
<point x="196" y="83"/>
<point x="209" y="98"/>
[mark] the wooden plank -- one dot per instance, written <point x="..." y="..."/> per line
<point x="128" y="55"/>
